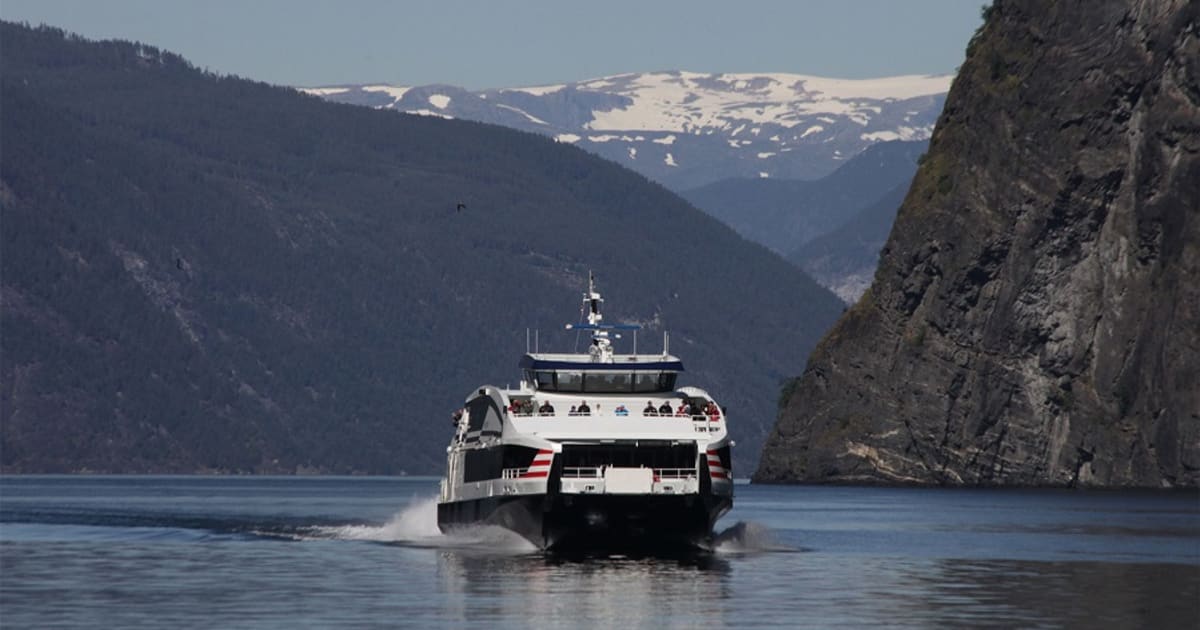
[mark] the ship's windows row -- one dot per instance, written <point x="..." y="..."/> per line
<point x="601" y="382"/>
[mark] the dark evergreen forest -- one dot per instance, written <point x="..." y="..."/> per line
<point x="207" y="273"/>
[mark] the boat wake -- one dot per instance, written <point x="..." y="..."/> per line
<point x="748" y="537"/>
<point x="416" y="526"/>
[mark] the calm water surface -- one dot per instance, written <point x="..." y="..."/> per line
<point x="254" y="552"/>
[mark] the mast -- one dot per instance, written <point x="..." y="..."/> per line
<point x="601" y="349"/>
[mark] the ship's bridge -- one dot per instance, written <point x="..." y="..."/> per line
<point x="623" y="374"/>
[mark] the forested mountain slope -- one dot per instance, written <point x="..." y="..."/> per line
<point x="204" y="273"/>
<point x="845" y="259"/>
<point x="785" y="214"/>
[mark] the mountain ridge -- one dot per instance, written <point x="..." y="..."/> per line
<point x="686" y="129"/>
<point x="204" y="273"/>
<point x="786" y="214"/>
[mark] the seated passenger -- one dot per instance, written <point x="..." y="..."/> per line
<point x="712" y="410"/>
<point x="546" y="409"/>
<point x="572" y="412"/>
<point x="649" y="410"/>
<point x="665" y="409"/>
<point x="685" y="409"/>
<point x="621" y="410"/>
<point x="584" y="409"/>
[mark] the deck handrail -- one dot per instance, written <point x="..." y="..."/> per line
<point x="597" y="472"/>
<point x="695" y="417"/>
<point x="581" y="472"/>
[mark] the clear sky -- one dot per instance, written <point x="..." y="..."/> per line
<point x="497" y="43"/>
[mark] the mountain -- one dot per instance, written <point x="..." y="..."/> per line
<point x="205" y="273"/>
<point x="688" y="129"/>
<point x="844" y="260"/>
<point x="1035" y="318"/>
<point x="786" y="214"/>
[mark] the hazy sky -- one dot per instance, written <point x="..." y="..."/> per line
<point x="497" y="43"/>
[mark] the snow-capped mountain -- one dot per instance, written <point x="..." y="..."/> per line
<point x="687" y="129"/>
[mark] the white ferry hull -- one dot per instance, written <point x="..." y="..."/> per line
<point x="596" y="522"/>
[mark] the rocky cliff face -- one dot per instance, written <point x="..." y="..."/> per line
<point x="1035" y="319"/>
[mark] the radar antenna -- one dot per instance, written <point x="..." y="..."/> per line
<point x="601" y="349"/>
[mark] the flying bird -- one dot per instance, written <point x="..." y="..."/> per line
<point x="461" y="205"/>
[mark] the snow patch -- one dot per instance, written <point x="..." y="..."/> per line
<point x="763" y="174"/>
<point x="567" y="137"/>
<point x="670" y="160"/>
<point x="428" y="112"/>
<point x="439" y="101"/>
<point x="393" y="91"/>
<point x="532" y="119"/>
<point x="766" y="154"/>
<point x="880" y="136"/>
<point x="811" y="130"/>
<point x="633" y="153"/>
<point x="681" y="102"/>
<point x="537" y="90"/>
<point x="669" y="140"/>
<point x="326" y="91"/>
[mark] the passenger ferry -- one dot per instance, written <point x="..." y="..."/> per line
<point x="594" y="450"/>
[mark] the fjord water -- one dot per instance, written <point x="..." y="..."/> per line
<point x="284" y="552"/>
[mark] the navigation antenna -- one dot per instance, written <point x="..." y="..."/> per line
<point x="601" y="348"/>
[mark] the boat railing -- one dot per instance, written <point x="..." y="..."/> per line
<point x="697" y="417"/>
<point x="582" y="472"/>
<point x="513" y="473"/>
<point x="597" y="472"/>
<point x="674" y="473"/>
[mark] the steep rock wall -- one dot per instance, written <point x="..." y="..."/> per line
<point x="1035" y="319"/>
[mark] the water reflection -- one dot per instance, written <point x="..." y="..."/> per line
<point x="1059" y="594"/>
<point x="615" y="591"/>
<point x="824" y="591"/>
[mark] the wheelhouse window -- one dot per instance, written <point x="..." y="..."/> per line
<point x="570" y="381"/>
<point x="646" y="381"/>
<point x="608" y="382"/>
<point x="605" y="382"/>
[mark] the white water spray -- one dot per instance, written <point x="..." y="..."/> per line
<point x="747" y="537"/>
<point x="416" y="525"/>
